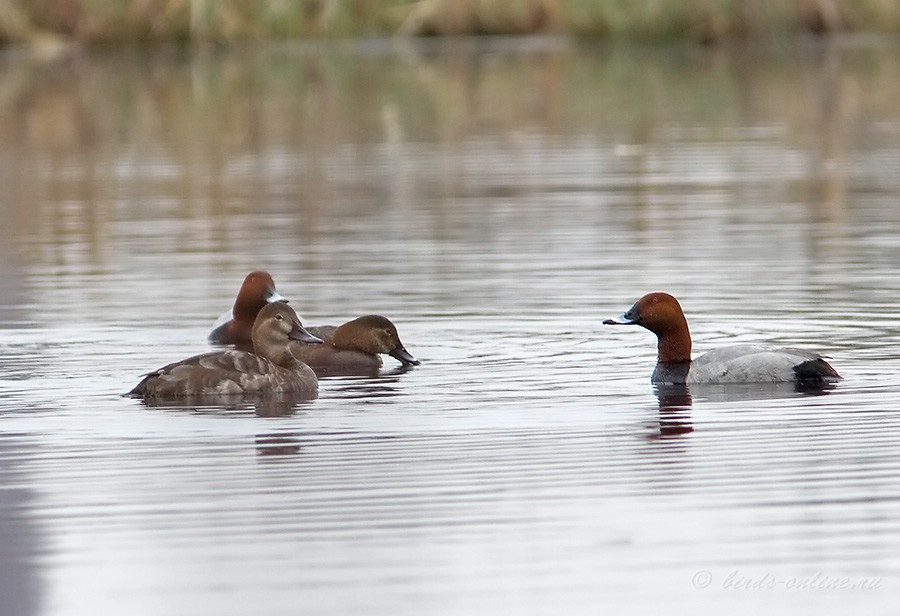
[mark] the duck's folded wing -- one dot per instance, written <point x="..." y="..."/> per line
<point x="231" y="360"/>
<point x="223" y="372"/>
<point x="758" y="364"/>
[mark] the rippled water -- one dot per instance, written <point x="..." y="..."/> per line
<point x="496" y="201"/>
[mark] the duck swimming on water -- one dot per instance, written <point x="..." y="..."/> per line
<point x="271" y="368"/>
<point x="742" y="363"/>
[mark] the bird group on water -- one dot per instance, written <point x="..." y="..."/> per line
<point x="270" y="351"/>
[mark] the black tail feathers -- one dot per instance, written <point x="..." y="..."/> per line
<point x="815" y="372"/>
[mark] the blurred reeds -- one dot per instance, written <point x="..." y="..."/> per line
<point x="227" y="20"/>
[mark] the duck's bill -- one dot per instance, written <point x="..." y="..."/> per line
<point x="274" y="297"/>
<point x="405" y="357"/>
<point x="622" y="319"/>
<point x="301" y="335"/>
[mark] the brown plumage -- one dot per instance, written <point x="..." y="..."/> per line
<point x="355" y="344"/>
<point x="270" y="369"/>
<point x="257" y="290"/>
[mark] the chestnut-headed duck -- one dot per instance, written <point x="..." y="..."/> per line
<point x="355" y="344"/>
<point x="271" y="368"/>
<point x="257" y="290"/>
<point x="742" y="363"/>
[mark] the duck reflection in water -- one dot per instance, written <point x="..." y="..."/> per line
<point x="677" y="399"/>
<point x="268" y="405"/>
<point x="675" y="404"/>
<point x="367" y="387"/>
<point x="278" y="444"/>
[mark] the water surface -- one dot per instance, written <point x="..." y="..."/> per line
<point x="497" y="200"/>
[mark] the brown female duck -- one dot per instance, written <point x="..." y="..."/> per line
<point x="356" y="344"/>
<point x="271" y="368"/>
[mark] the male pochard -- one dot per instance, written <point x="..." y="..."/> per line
<point x="743" y="363"/>
<point x="355" y="344"/>
<point x="257" y="290"/>
<point x="271" y="368"/>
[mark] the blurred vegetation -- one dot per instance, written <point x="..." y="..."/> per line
<point x="226" y="20"/>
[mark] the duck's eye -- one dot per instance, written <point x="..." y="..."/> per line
<point x="279" y="317"/>
<point x="387" y="333"/>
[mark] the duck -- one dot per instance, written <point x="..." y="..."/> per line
<point x="257" y="290"/>
<point x="742" y="363"/>
<point x="270" y="369"/>
<point x="355" y="344"/>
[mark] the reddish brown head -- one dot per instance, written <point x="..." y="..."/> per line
<point x="257" y="290"/>
<point x="661" y="314"/>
